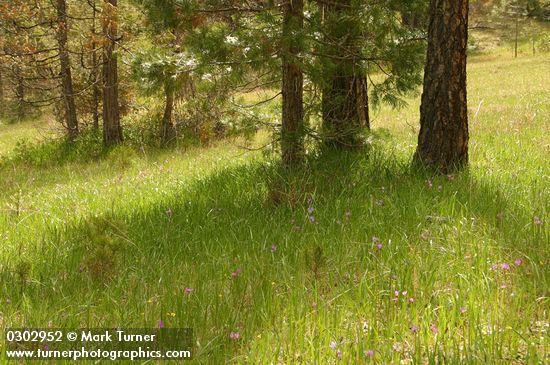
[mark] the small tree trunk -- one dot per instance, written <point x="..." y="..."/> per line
<point x="517" y="37"/>
<point x="168" y="131"/>
<point x="94" y="72"/>
<point x="66" y="77"/>
<point x="112" y="131"/>
<point x="345" y="96"/>
<point x="21" y="108"/>
<point x="292" y="134"/>
<point x="443" y="139"/>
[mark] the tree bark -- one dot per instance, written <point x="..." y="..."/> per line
<point x="66" y="77"/>
<point x="443" y="138"/>
<point x="345" y="106"/>
<point x="21" y="107"/>
<point x="96" y="94"/>
<point x="112" y="131"/>
<point x="168" y="132"/>
<point x="292" y="134"/>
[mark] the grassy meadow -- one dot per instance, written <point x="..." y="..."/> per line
<point x="358" y="260"/>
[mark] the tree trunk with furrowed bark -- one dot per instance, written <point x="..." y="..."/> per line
<point x="345" y="106"/>
<point x="112" y="131"/>
<point x="66" y="76"/>
<point x="443" y="139"/>
<point x="292" y="134"/>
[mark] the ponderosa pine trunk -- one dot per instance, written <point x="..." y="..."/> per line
<point x="443" y="138"/>
<point x="112" y="131"/>
<point x="292" y="134"/>
<point x="66" y="77"/>
<point x="168" y="131"/>
<point x="345" y="106"/>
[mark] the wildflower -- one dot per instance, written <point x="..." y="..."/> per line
<point x="338" y="353"/>
<point x="411" y="300"/>
<point x="518" y="262"/>
<point x="379" y="246"/>
<point x="8" y="301"/>
<point x="187" y="291"/>
<point x="505" y="266"/>
<point x="414" y="328"/>
<point x="396" y="293"/>
<point x="273" y="248"/>
<point x="50" y="324"/>
<point x="235" y="336"/>
<point x="433" y="328"/>
<point x="450" y="177"/>
<point x="239" y="270"/>
<point x="348" y="214"/>
<point x="404" y="293"/>
<point x="375" y="239"/>
<point x="169" y="213"/>
<point x="503" y="286"/>
<point x="440" y="188"/>
<point x="494" y="266"/>
<point x="311" y="218"/>
<point x="380" y="202"/>
<point x="333" y="345"/>
<point x="310" y="210"/>
<point x="369" y="353"/>
<point x="462" y="310"/>
<point x="161" y="324"/>
<point x="429" y="183"/>
<point x="46" y="348"/>
<point x="537" y="221"/>
<point x="397" y="347"/>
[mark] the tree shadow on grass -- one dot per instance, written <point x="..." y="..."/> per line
<point x="212" y="255"/>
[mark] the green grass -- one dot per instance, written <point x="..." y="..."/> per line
<point x="90" y="244"/>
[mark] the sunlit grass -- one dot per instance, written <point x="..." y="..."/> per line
<point x="362" y="260"/>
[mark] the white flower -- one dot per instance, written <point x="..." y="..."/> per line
<point x="231" y="40"/>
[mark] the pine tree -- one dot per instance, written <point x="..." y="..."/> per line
<point x="443" y="139"/>
<point x="292" y="131"/>
<point x="112" y="131"/>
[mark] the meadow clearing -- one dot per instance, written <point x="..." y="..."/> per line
<point x="359" y="260"/>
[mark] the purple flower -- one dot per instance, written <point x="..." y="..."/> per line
<point x="433" y="328"/>
<point x="505" y="266"/>
<point x="537" y="221"/>
<point x="161" y="324"/>
<point x="503" y="286"/>
<point x="370" y="353"/>
<point x="311" y="218"/>
<point x="46" y="348"/>
<point x="396" y="293"/>
<point x="414" y="328"/>
<point x="375" y="239"/>
<point x="518" y="262"/>
<point x="234" y="274"/>
<point x="310" y="210"/>
<point x="338" y="353"/>
<point x="411" y="299"/>
<point x="379" y="246"/>
<point x="333" y="345"/>
<point x="239" y="270"/>
<point x="234" y="336"/>
<point x="462" y="310"/>
<point x="187" y="291"/>
<point x="273" y="248"/>
<point x="494" y="266"/>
